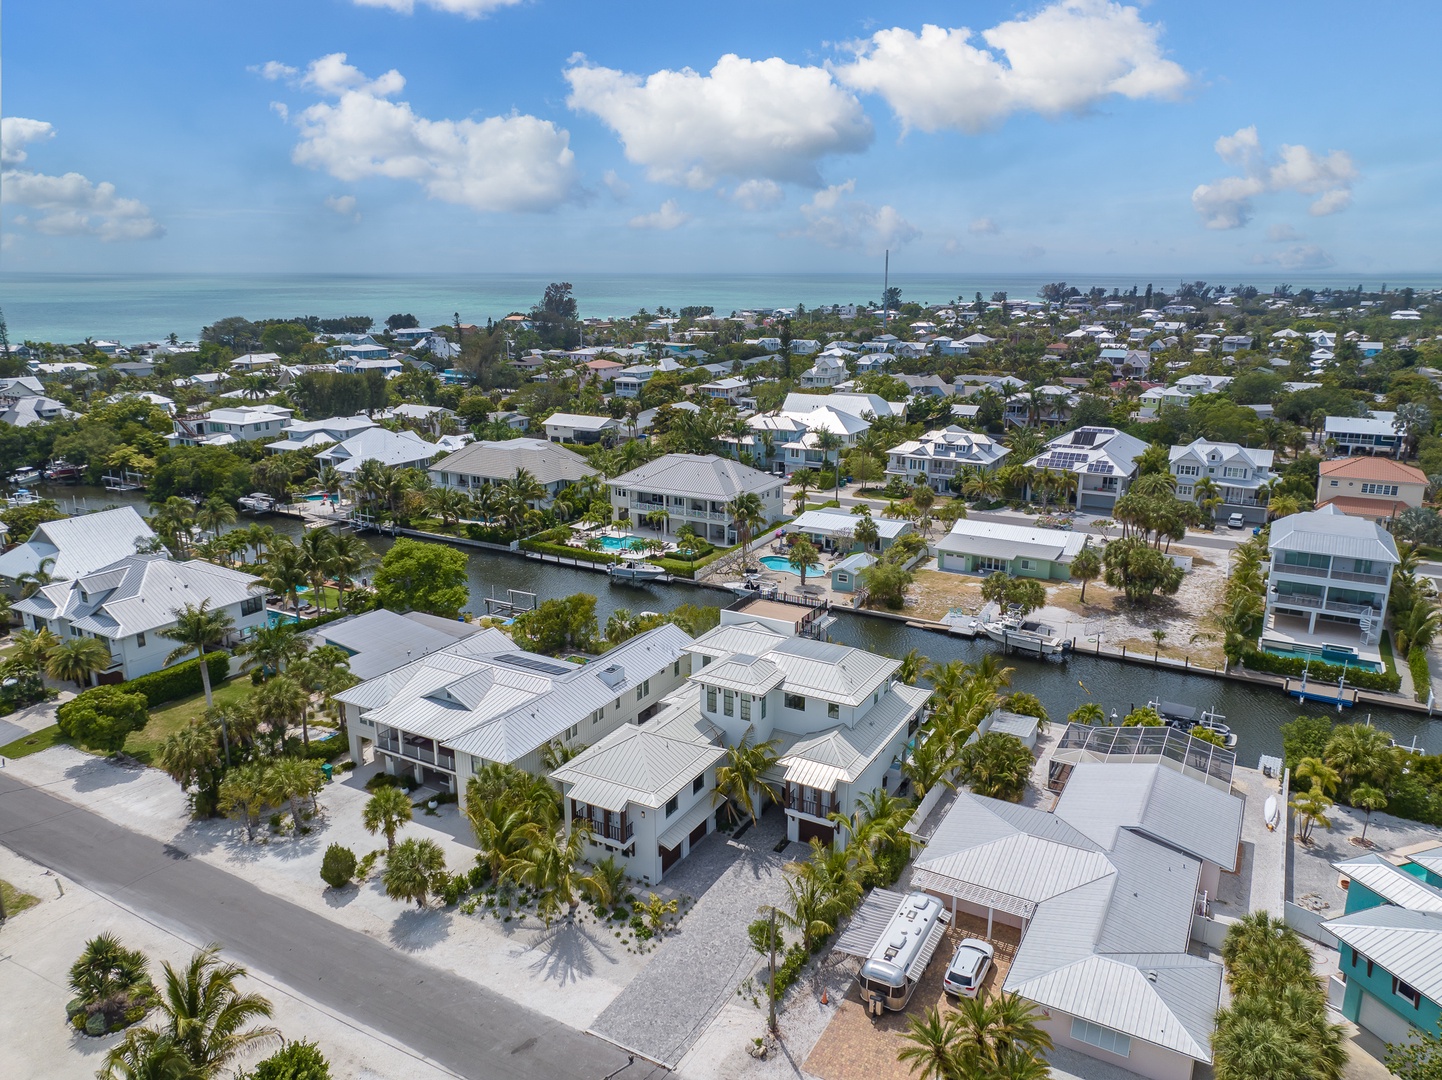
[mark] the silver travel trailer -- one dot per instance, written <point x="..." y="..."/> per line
<point x="889" y="975"/>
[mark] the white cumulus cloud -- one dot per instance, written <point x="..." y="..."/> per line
<point x="500" y="163"/>
<point x="471" y="9"/>
<point x="1228" y="203"/>
<point x="1065" y="58"/>
<point x="984" y="226"/>
<point x="16" y="132"/>
<point x="68" y="205"/>
<point x="747" y="119"/>
<point x="273" y="71"/>
<point x="344" y="205"/>
<point x="835" y="218"/>
<point x="757" y="194"/>
<point x="669" y="216"/>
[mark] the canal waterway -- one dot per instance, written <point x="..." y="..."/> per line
<point x="1254" y="712"/>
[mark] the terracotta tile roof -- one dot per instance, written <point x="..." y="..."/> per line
<point x="1373" y="468"/>
<point x="1373" y="509"/>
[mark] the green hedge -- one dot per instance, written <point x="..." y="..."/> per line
<point x="169" y="684"/>
<point x="1294" y="665"/>
<point x="490" y="534"/>
<point x="565" y="551"/>
<point x="1421" y="673"/>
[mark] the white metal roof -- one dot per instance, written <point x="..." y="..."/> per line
<point x="834" y="522"/>
<point x="382" y="640"/>
<point x="379" y="444"/>
<point x="1408" y="944"/>
<point x="78" y="545"/>
<point x="1374" y="423"/>
<point x="1001" y="540"/>
<point x="842" y="753"/>
<point x="699" y="476"/>
<point x="837" y="673"/>
<point x="1328" y="531"/>
<point x="1391" y="883"/>
<point x="500" y="459"/>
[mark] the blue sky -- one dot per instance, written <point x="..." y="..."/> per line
<point x="554" y="135"/>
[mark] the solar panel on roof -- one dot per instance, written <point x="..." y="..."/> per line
<point x="532" y="663"/>
<point x="1100" y="467"/>
<point x="1083" y="438"/>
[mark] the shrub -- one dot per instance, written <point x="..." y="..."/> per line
<point x="1323" y="673"/>
<point x="338" y="866"/>
<point x="103" y="719"/>
<point x="296" y="1061"/>
<point x="169" y="684"/>
<point x="381" y="779"/>
<point x="450" y="887"/>
<point x="1421" y="674"/>
<point x="490" y="534"/>
<point x="368" y="860"/>
<point x="566" y="551"/>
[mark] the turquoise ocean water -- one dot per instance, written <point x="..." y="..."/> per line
<point x="134" y="308"/>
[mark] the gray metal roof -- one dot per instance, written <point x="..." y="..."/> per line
<point x="79" y="545"/>
<point x="1328" y="531"/>
<point x="832" y="522"/>
<point x="1102" y="798"/>
<point x="869" y="922"/>
<point x="998" y="539"/>
<point x="1391" y="883"/>
<point x="1408" y="944"/>
<point x="728" y="638"/>
<point x="500" y="459"/>
<point x="837" y="673"/>
<point x="381" y="641"/>
<point x="842" y="753"/>
<point x="642" y="765"/>
<point x="742" y="673"/>
<point x="699" y="476"/>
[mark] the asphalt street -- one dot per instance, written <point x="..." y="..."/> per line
<point x="473" y="1031"/>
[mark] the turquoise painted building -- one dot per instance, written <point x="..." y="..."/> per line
<point x="846" y="575"/>
<point x="1390" y="940"/>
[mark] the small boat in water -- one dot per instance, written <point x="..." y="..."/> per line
<point x="257" y="502"/>
<point x="1026" y="635"/>
<point x="62" y="472"/>
<point x="22" y="497"/>
<point x="635" y="570"/>
<point x="1185" y="718"/>
<point x="23" y="477"/>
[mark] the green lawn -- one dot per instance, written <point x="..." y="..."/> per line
<point x="15" y="900"/>
<point x="171" y="717"/>
<point x="43" y="739"/>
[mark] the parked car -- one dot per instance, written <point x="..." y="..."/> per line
<point x="1236" y="521"/>
<point x="968" y="968"/>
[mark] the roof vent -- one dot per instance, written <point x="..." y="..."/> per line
<point x="613" y="675"/>
<point x="1151" y="976"/>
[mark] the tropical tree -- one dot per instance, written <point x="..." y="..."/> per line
<point x="1361" y="754"/>
<point x="933" y="1046"/>
<point x="315" y="560"/>
<point x="204" y="1014"/>
<point x="749" y="515"/>
<point x="385" y="812"/>
<point x="198" y="628"/>
<point x="1089" y="712"/>
<point x="110" y="982"/>
<point x="410" y="867"/>
<point x="802" y="557"/>
<point x="741" y="782"/>
<point x="1367" y="799"/>
<point x="291" y="780"/>
<point x="997" y="766"/>
<point x="148" y="1055"/>
<point x="191" y="754"/>
<point x="74" y="659"/>
<point x="991" y="1028"/>
<point x="1086" y="567"/>
<point x="214" y="513"/>
<point x="1321" y="776"/>
<point x="284" y="571"/>
<point x="243" y="793"/>
<point x="911" y="667"/>
<point x="551" y="866"/>
<point x="31" y="647"/>
<point x="272" y="648"/>
<point x="1311" y="807"/>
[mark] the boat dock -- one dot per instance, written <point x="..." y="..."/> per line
<point x="1302" y="690"/>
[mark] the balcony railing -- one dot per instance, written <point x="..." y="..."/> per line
<point x="609" y="830"/>
<point x="1316" y="603"/>
<point x="810" y="805"/>
<point x="1324" y="572"/>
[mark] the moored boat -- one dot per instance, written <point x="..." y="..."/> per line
<point x="1026" y="635"/>
<point x="635" y="570"/>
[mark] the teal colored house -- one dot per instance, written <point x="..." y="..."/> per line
<point x="1390" y="940"/>
<point x="988" y="547"/>
<point x="846" y="575"/>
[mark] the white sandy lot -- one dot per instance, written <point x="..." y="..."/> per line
<point x="38" y="946"/>
<point x="563" y="980"/>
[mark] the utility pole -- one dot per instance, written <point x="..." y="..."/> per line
<point x="886" y="290"/>
<point x="771" y="985"/>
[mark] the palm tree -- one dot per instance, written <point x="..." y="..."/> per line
<point x="1324" y="778"/>
<point x="741" y="781"/>
<point x="749" y="515"/>
<point x="75" y="658"/>
<point x="271" y="648"/>
<point x="189" y="754"/>
<point x="933" y="1050"/>
<point x="30" y="581"/>
<point x="148" y="1055"/>
<point x="214" y="513"/>
<point x="1087" y="713"/>
<point x="911" y="667"/>
<point x="828" y="442"/>
<point x="410" y="867"/>
<point x="284" y="571"/>
<point x="1086" y="567"/>
<point x="806" y="910"/>
<point x="802" y="480"/>
<point x="385" y="812"/>
<point x="989" y="1028"/>
<point x="348" y="557"/>
<point x="205" y="1014"/>
<point x="244" y="791"/>
<point x="1367" y="799"/>
<point x="197" y="629"/>
<point x="110" y="979"/>
<point x="292" y="779"/>
<point x="866" y="531"/>
<point x="500" y="829"/>
<point x="1311" y="807"/>
<point x="1362" y="755"/>
<point x="552" y="867"/>
<point x="802" y="557"/>
<point x="315" y="561"/>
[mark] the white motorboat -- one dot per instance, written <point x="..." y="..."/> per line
<point x="24" y="476"/>
<point x="635" y="570"/>
<point x="1185" y="718"/>
<point x="1026" y="635"/>
<point x="257" y="502"/>
<point x="22" y="497"/>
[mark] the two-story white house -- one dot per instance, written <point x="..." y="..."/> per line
<point x="311" y="434"/>
<point x="241" y="423"/>
<point x="695" y="490"/>
<point x="1044" y="406"/>
<point x="1237" y="471"/>
<point x="1370" y="434"/>
<point x="1103" y="459"/>
<point x="439" y="719"/>
<point x="939" y="456"/>
<point x="826" y="372"/>
<point x="485" y="462"/>
<point x="131" y="603"/>
<point x="398" y="449"/>
<point x="1327" y="588"/>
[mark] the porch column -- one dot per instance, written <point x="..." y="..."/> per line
<point x="989" y="910"/>
<point x="1312" y="622"/>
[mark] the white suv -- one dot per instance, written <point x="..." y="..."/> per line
<point x="1236" y="521"/>
<point x="968" y="968"/>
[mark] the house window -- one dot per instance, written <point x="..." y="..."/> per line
<point x="140" y="640"/>
<point x="729" y="703"/>
<point x="1379" y="489"/>
<point x="698" y="785"/>
<point x="250" y="605"/>
<point x="573" y="731"/>
<point x="1103" y="1038"/>
<point x="596" y="716"/>
<point x="745" y="706"/>
<point x="1334" y="483"/>
<point x="763" y="708"/>
<point x="710" y="699"/>
<point x="705" y="660"/>
<point x="795" y="702"/>
<point x="1187" y="470"/>
<point x="1026" y="564"/>
<point x="672" y="805"/>
<point x="1406" y="993"/>
<point x="833" y="710"/>
<point x="643" y="689"/>
<point x="676" y="668"/>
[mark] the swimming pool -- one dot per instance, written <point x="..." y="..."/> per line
<point x="779" y="563"/>
<point x="275" y="618"/>
<point x="1326" y="656"/>
<point x="620" y="543"/>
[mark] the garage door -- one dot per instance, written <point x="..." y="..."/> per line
<point x="807" y="829"/>
<point x="1382" y="1021"/>
<point x="669" y="857"/>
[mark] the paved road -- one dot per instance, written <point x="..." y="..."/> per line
<point x="473" y="1031"/>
